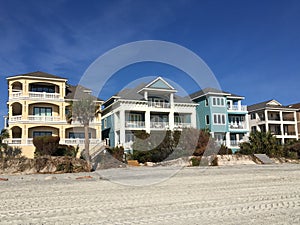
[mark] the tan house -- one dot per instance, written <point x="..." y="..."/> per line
<point x="272" y="116"/>
<point x="37" y="105"/>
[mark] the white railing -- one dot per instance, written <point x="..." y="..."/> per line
<point x="16" y="94"/>
<point x="43" y="95"/>
<point x="135" y="124"/>
<point x="235" y="142"/>
<point x="29" y="141"/>
<point x="182" y="125"/>
<point x="80" y="141"/>
<point x="237" y="125"/>
<point x="44" y="118"/>
<point x="15" y="118"/>
<point x="159" y="125"/>
<point x="77" y="122"/>
<point x="159" y="104"/>
<point x="238" y="108"/>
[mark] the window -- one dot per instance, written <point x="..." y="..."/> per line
<point x="42" y="111"/>
<point x="206" y="102"/>
<point x="207" y="119"/>
<point x="218" y="101"/>
<point x="252" y="115"/>
<point x="42" y="88"/>
<point x="78" y="135"/>
<point x="42" y="133"/>
<point x="135" y="117"/>
<point x="219" y="119"/>
<point x="105" y="123"/>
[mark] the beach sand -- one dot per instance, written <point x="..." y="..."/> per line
<point x="241" y="194"/>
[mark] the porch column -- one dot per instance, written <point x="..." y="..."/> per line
<point x="239" y="103"/>
<point x="281" y="124"/>
<point x="296" y="125"/>
<point x="171" y="120"/>
<point x="122" y="127"/>
<point x="147" y="121"/>
<point x="146" y="95"/>
<point x="266" y="119"/>
<point x="227" y="139"/>
<point x="171" y="100"/>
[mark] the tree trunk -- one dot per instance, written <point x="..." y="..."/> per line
<point x="87" y="146"/>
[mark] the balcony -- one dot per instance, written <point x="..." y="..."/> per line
<point x="237" y="125"/>
<point x="135" y="124"/>
<point x="44" y="118"/>
<point x="159" y="125"/>
<point x="16" y="94"/>
<point x="237" y="108"/>
<point x="67" y="141"/>
<point x="43" y="95"/>
<point x="79" y="141"/>
<point x="235" y="143"/>
<point x="159" y="104"/>
<point x="182" y="125"/>
<point x="14" y="119"/>
<point x="35" y="95"/>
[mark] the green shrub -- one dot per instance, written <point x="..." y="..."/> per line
<point x="225" y="150"/>
<point x="45" y="145"/>
<point x="66" y="150"/>
<point x="117" y="153"/>
<point x="195" y="161"/>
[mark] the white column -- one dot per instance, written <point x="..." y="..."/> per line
<point x="171" y="120"/>
<point x="122" y="127"/>
<point x="266" y="119"/>
<point x="227" y="139"/>
<point x="172" y="100"/>
<point x="296" y="124"/>
<point x="194" y="119"/>
<point x="281" y="123"/>
<point x="147" y="121"/>
<point x="146" y="95"/>
<point x="239" y="103"/>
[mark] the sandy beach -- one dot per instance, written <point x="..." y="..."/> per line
<point x="241" y="194"/>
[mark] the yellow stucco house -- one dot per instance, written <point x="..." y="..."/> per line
<point x="37" y="105"/>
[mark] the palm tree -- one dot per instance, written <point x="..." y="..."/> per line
<point x="84" y="110"/>
<point x="3" y="135"/>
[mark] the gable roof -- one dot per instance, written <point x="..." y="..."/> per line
<point x="159" y="83"/>
<point x="37" y="74"/>
<point x="272" y="103"/>
<point x="295" y="106"/>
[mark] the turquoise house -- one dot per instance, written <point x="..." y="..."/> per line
<point x="223" y="114"/>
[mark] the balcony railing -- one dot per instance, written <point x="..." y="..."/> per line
<point x="235" y="143"/>
<point x="182" y="125"/>
<point x="159" y="125"/>
<point x="79" y="141"/>
<point x="16" y="94"/>
<point x="15" y="118"/>
<point x="237" y="125"/>
<point x="44" y="118"/>
<point x="43" y="95"/>
<point x="288" y="119"/>
<point x="159" y="104"/>
<point x="134" y="124"/>
<point x="67" y="141"/>
<point x="238" y="108"/>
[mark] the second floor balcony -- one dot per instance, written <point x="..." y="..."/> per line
<point x="237" y="108"/>
<point x="135" y="124"/>
<point x="34" y="95"/>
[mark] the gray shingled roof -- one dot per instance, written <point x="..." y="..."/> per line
<point x="132" y="94"/>
<point x="39" y="74"/>
<point x="212" y="90"/>
<point x="263" y="105"/>
<point x="80" y="91"/>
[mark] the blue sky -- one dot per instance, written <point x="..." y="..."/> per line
<point x="253" y="47"/>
